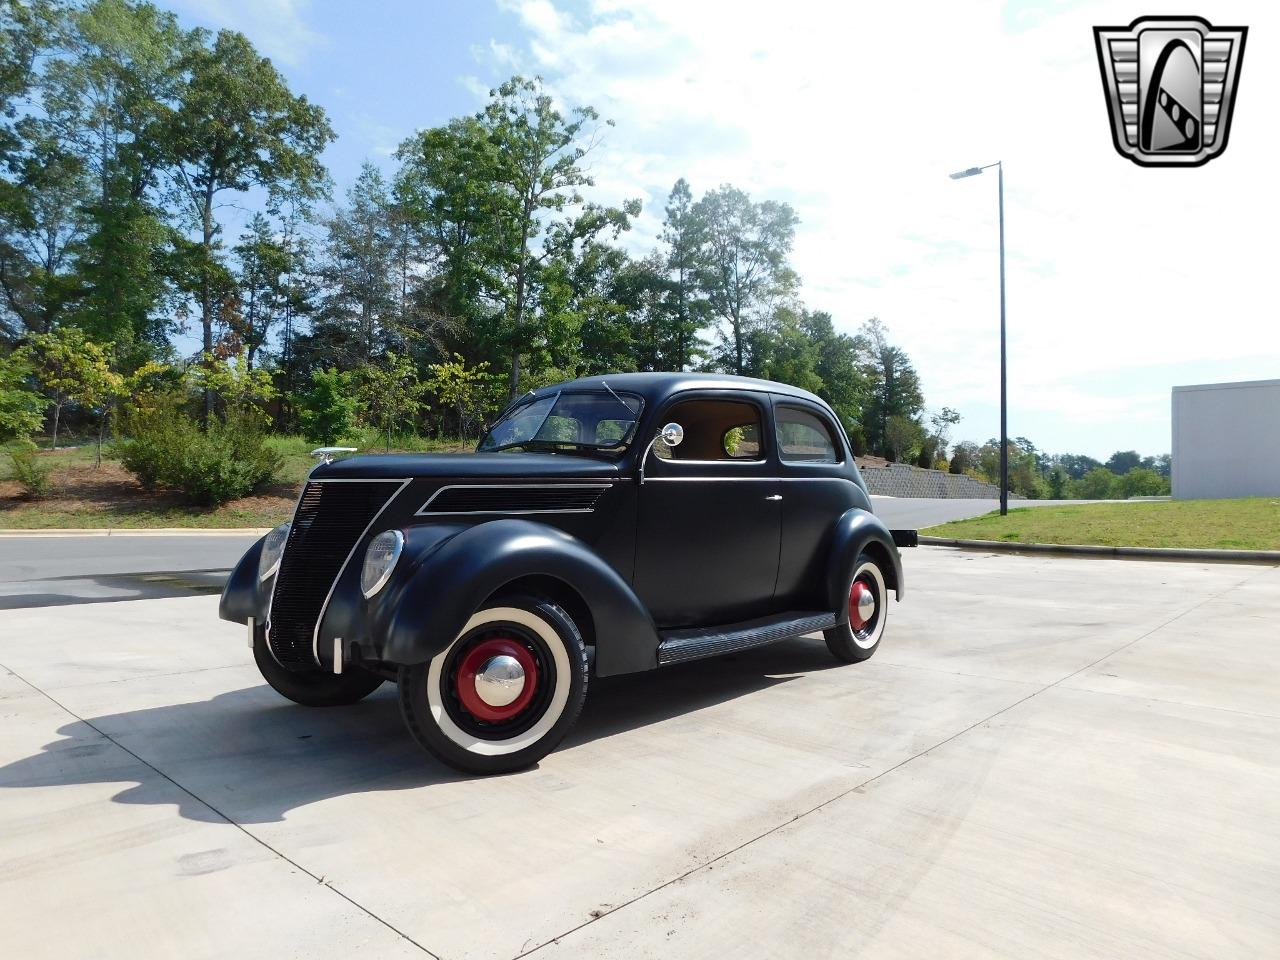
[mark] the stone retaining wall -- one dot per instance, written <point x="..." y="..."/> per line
<point x="903" y="480"/>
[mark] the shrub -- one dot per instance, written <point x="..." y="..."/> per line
<point x="229" y="460"/>
<point x="1141" y="482"/>
<point x="328" y="410"/>
<point x="1098" y="484"/>
<point x="31" y="472"/>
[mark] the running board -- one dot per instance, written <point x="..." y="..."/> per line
<point x="678" y="646"/>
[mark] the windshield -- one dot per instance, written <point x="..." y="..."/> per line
<point x="603" y="421"/>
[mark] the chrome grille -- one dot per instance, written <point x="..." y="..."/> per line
<point x="327" y="525"/>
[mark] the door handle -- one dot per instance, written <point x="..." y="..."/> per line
<point x="776" y="496"/>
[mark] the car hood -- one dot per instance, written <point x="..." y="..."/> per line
<point x="496" y="466"/>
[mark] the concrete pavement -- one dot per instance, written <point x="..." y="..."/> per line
<point x="1048" y="757"/>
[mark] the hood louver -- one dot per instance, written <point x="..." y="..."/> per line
<point x="514" y="498"/>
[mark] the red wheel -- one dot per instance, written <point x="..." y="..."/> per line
<point x="868" y="602"/>
<point x="504" y="693"/>
<point x="496" y="679"/>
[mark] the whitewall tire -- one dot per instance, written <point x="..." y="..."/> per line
<point x="504" y="692"/>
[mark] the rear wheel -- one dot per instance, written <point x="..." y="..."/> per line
<point x="313" y="688"/>
<point x="858" y="637"/>
<point x="504" y="693"/>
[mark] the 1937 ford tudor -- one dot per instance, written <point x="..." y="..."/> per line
<point x="604" y="526"/>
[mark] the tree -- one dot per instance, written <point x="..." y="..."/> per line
<point x="1059" y="483"/>
<point x="1098" y="484"/>
<point x="1142" y="482"/>
<point x="265" y="266"/>
<point x="449" y="192"/>
<point x="786" y="353"/>
<point x="539" y="154"/>
<point x="685" y="310"/>
<point x="902" y="436"/>
<point x="1122" y="461"/>
<point x="471" y="392"/>
<point x="964" y="458"/>
<point x="240" y="390"/>
<point x="72" y="369"/>
<point x="894" y="385"/>
<point x="21" y="408"/>
<point x="238" y="126"/>
<point x="328" y="410"/>
<point x="358" y="315"/>
<point x="390" y="392"/>
<point x="41" y="234"/>
<point x="844" y="383"/>
<point x="107" y="97"/>
<point x="934" y="446"/>
<point x="1076" y="465"/>
<point x="742" y="266"/>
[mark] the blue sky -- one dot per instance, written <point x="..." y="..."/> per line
<point x="1122" y="281"/>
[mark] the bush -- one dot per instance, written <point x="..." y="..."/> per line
<point x="328" y="410"/>
<point x="1098" y="484"/>
<point x="1141" y="482"/>
<point x="231" y="459"/>
<point x="31" y="472"/>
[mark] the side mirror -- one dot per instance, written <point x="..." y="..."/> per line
<point x="672" y="434"/>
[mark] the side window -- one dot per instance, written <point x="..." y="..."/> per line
<point x="804" y="437"/>
<point x="715" y="430"/>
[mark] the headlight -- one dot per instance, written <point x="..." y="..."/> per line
<point x="379" y="560"/>
<point x="272" y="551"/>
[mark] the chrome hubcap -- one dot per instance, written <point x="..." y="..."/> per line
<point x="866" y="605"/>
<point x="862" y="605"/>
<point x="500" y="681"/>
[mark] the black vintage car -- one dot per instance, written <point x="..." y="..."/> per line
<point x="604" y="526"/>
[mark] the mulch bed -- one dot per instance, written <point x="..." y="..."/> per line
<point x="112" y="490"/>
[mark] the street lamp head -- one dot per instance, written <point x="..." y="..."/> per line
<point x="971" y="172"/>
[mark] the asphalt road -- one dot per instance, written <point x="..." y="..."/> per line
<point x="56" y="570"/>
<point x="44" y="570"/>
<point x="1014" y="774"/>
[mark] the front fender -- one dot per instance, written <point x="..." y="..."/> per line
<point x="243" y="596"/>
<point x="858" y="530"/>
<point x="430" y="607"/>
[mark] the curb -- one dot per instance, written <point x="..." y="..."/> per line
<point x="140" y="532"/>
<point x="1269" y="557"/>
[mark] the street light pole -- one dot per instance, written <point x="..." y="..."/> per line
<point x="1004" y="379"/>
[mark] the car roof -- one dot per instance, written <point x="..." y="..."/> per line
<point x="659" y="386"/>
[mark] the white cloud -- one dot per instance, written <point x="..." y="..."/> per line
<point x="278" y="27"/>
<point x="856" y="113"/>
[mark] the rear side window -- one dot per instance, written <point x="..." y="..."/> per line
<point x="804" y="437"/>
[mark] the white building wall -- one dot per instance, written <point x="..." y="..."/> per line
<point x="1226" y="440"/>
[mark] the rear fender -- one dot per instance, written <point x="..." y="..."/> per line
<point x="858" y="531"/>
<point x="428" y="608"/>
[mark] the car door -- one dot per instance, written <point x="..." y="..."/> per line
<point x="818" y="487"/>
<point x="709" y="518"/>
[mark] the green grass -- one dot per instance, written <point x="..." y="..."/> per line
<point x="1247" y="524"/>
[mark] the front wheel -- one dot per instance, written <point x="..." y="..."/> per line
<point x="857" y="638"/>
<point x="504" y="693"/>
<point x="313" y="688"/>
